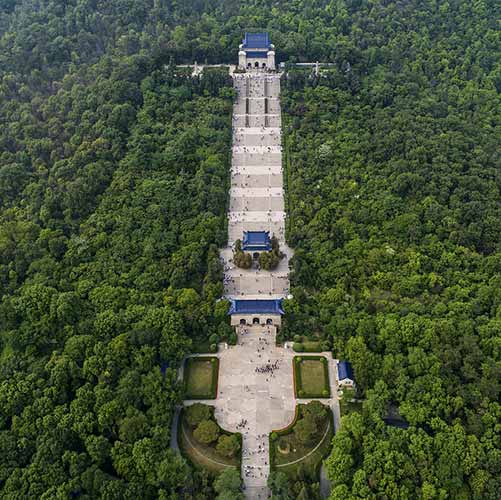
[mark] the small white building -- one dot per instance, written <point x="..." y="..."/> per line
<point x="256" y="52"/>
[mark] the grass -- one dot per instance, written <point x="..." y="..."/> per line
<point x="200" y="455"/>
<point x="311" y="377"/>
<point x="200" y="377"/>
<point x="307" y="458"/>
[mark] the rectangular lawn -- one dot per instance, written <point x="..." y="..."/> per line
<point x="200" y="377"/>
<point x="311" y="377"/>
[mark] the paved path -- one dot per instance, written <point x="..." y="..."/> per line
<point x="256" y="194"/>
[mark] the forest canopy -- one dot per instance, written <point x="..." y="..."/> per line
<point x="114" y="177"/>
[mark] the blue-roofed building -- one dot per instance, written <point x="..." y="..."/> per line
<point x="345" y="374"/>
<point x="256" y="52"/>
<point x="256" y="241"/>
<point x="256" y="41"/>
<point x="256" y="312"/>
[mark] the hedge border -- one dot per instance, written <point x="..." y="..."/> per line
<point x="214" y="381"/>
<point x="298" y="381"/>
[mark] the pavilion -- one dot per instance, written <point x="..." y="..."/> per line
<point x="256" y="52"/>
<point x="256" y="241"/>
<point x="345" y="374"/>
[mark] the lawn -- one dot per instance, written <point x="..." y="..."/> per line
<point x="311" y="377"/>
<point x="291" y="457"/>
<point x="201" y="455"/>
<point x="200" y="377"/>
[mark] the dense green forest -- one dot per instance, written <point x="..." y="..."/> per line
<point x="113" y="189"/>
<point x="395" y="215"/>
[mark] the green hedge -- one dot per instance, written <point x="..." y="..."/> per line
<point x="298" y="386"/>
<point x="308" y="346"/>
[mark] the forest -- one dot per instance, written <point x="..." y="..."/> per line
<point x="114" y="174"/>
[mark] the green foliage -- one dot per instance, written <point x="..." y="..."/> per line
<point x="206" y="432"/>
<point x="305" y="429"/>
<point x="197" y="413"/>
<point x="392" y="186"/>
<point x="316" y="410"/>
<point x="229" y="484"/>
<point x="228" y="446"/>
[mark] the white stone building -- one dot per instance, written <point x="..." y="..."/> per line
<point x="256" y="51"/>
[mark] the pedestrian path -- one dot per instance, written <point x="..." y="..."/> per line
<point x="256" y="194"/>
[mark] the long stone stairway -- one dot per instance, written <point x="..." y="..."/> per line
<point x="256" y="197"/>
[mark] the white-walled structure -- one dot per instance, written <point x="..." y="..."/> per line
<point x="256" y="52"/>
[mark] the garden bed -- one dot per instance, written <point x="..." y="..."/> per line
<point x="203" y="455"/>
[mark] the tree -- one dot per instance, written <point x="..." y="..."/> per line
<point x="207" y="432"/>
<point x="228" y="482"/>
<point x="196" y="413"/>
<point x="305" y="429"/>
<point x="280" y="484"/>
<point x="228" y="446"/>
<point x="316" y="410"/>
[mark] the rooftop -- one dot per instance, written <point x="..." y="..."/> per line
<point x="256" y="41"/>
<point x="256" y="240"/>
<point x="265" y="306"/>
<point x="345" y="371"/>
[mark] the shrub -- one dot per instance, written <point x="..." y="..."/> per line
<point x="325" y="345"/>
<point x="214" y="338"/>
<point x="197" y="413"/>
<point x="213" y="348"/>
<point x="206" y="432"/>
<point x="301" y="393"/>
<point x="298" y="347"/>
<point x="315" y="410"/>
<point x="228" y="446"/>
<point x="273" y="436"/>
<point x="325" y="393"/>
<point x="305" y="430"/>
<point x="297" y="338"/>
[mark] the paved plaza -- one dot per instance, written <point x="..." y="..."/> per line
<point x="256" y="396"/>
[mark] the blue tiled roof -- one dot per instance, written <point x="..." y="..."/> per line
<point x="256" y="240"/>
<point x="266" y="306"/>
<point x="345" y="370"/>
<point x="256" y="41"/>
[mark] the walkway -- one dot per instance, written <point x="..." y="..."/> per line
<point x="256" y="195"/>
